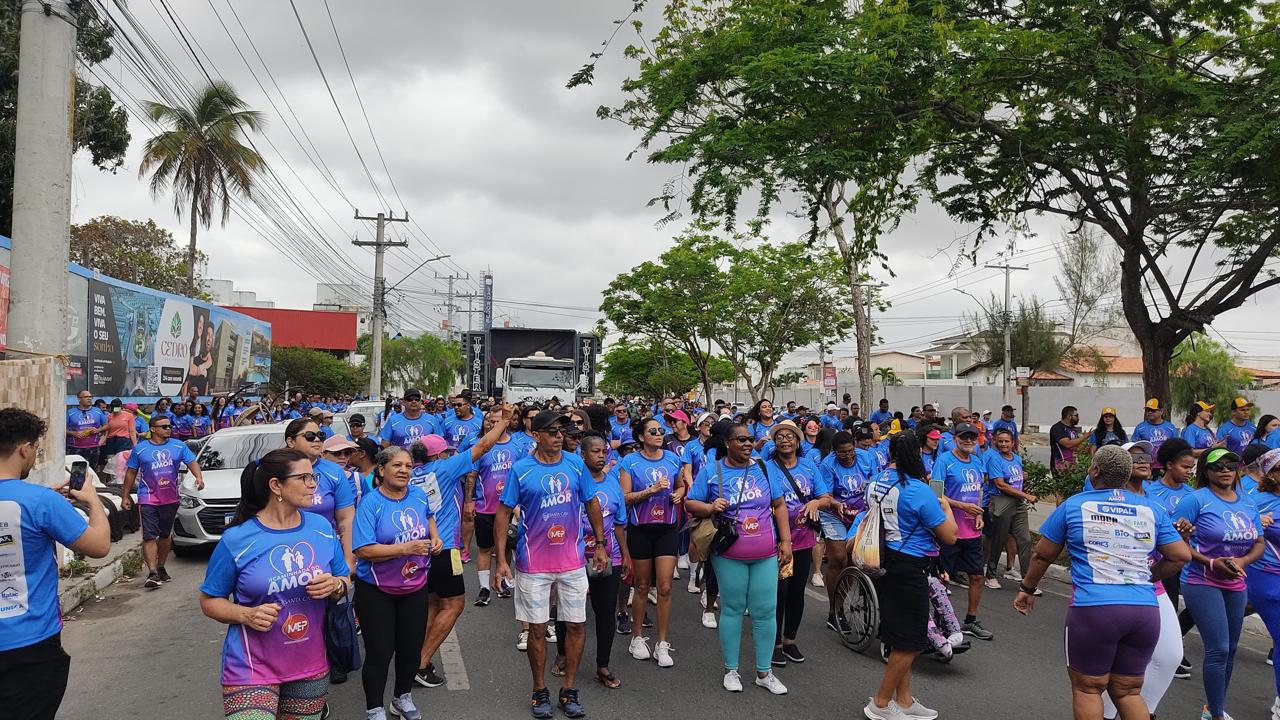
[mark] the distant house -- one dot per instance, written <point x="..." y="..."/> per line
<point x="907" y="366"/>
<point x="948" y="357"/>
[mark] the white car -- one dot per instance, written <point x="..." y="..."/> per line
<point x="370" y="409"/>
<point x="204" y="514"/>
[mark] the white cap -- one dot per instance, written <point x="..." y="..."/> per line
<point x="832" y="406"/>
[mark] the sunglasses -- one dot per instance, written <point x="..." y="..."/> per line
<point x="413" y="399"/>
<point x="165" y="426"/>
<point x="345" y="452"/>
<point x="580" y="423"/>
<point x="742" y="439"/>
<point x="654" y="431"/>
<point x="310" y="436"/>
<point x="1225" y="466"/>
<point x="1141" y="458"/>
<point x="458" y="405"/>
<point x="553" y="432"/>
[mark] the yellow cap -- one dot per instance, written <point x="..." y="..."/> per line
<point x="1108" y="411"/>
<point x="1241" y="403"/>
<point x="1208" y="407"/>
<point x="1153" y="404"/>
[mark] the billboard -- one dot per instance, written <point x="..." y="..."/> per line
<point x="145" y="344"/>
<point x="588" y="346"/>
<point x="476" y="373"/>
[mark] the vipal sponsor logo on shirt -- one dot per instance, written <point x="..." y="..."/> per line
<point x="555" y="488"/>
<point x="294" y="565"/>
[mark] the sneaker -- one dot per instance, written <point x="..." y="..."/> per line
<point x="646" y="622"/>
<point x="164" y="574"/>
<point x="540" y="704"/>
<point x="682" y="562"/>
<point x="817" y="581"/>
<point x="944" y="653"/>
<point x="693" y="585"/>
<point x="375" y="714"/>
<point x="709" y="620"/>
<point x="884" y="653"/>
<point x="427" y="677"/>
<point x="1184" y="670"/>
<point x="504" y="590"/>
<point x="662" y="654"/>
<point x="569" y="704"/>
<point x="771" y="683"/>
<point x="955" y="638"/>
<point x="653" y="596"/>
<point x="153" y="582"/>
<point x="1185" y="664"/>
<point x="915" y="710"/>
<point x="975" y="629"/>
<point x="992" y="583"/>
<point x="1275" y="709"/>
<point x="403" y="707"/>
<point x="466" y="556"/>
<point x="779" y="660"/>
<point x="792" y="651"/>
<point x="1013" y="575"/>
<point x="639" y="648"/>
<point x="839" y="624"/>
<point x="704" y="600"/>
<point x="960" y="580"/>
<point x="326" y="712"/>
<point x="1038" y="592"/>
<point x="875" y="712"/>
<point x="551" y="632"/>
<point x="624" y="623"/>
<point x="732" y="681"/>
<point x="484" y="596"/>
<point x="961" y="648"/>
<point x="522" y="641"/>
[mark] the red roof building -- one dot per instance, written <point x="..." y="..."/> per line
<point x="333" y="332"/>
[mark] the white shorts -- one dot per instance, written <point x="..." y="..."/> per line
<point x="533" y="596"/>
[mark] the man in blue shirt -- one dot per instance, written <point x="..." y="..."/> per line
<point x="1006" y="421"/>
<point x="1154" y="429"/>
<point x="882" y="416"/>
<point x="412" y="424"/>
<point x="1239" y="430"/>
<point x="831" y="418"/>
<point x="619" y="426"/>
<point x="85" y="423"/>
<point x="462" y="426"/>
<point x="33" y="666"/>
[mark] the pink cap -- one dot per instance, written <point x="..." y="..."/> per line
<point x="934" y="434"/>
<point x="678" y="415"/>
<point x="434" y="444"/>
<point x="131" y="406"/>
<point x="338" y="442"/>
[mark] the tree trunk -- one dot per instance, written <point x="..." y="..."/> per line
<point x="191" y="249"/>
<point x="1156" y="355"/>
<point x="861" y="321"/>
<point x="1157" y="341"/>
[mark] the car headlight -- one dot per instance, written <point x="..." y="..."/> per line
<point x="191" y="502"/>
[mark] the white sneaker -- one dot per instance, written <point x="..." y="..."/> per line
<point x="875" y="712"/>
<point x="992" y="583"/>
<point x="1013" y="575"/>
<point x="662" y="654"/>
<point x="1275" y="709"/>
<point x="682" y="562"/>
<point x="675" y="573"/>
<point x="551" y="632"/>
<point x="403" y="707"/>
<point x="771" y="683"/>
<point x="732" y="682"/>
<point x="693" y="584"/>
<point x="522" y="641"/>
<point x="915" y="711"/>
<point x="704" y="600"/>
<point x="639" y="648"/>
<point x="955" y="638"/>
<point x="653" y="595"/>
<point x="631" y="595"/>
<point x="817" y="581"/>
<point x="375" y="714"/>
<point x="709" y="620"/>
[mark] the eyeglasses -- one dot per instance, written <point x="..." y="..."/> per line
<point x="310" y="436"/>
<point x="307" y="477"/>
<point x="165" y="426"/>
<point x="654" y="431"/>
<point x="1224" y="466"/>
<point x="413" y="399"/>
<point x="580" y="423"/>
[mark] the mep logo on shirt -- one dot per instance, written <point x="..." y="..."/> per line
<point x="555" y="489"/>
<point x="556" y="534"/>
<point x="751" y="525"/>
<point x="295" y="627"/>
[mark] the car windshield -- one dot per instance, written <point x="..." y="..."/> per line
<point x="230" y="451"/>
<point x="540" y="376"/>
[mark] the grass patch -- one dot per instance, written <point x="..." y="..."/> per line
<point x="75" y="568"/>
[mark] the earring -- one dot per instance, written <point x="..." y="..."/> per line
<point x="279" y="498"/>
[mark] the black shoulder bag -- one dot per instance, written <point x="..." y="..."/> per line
<point x="726" y="529"/>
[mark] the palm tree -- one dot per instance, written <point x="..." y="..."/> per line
<point x="887" y="377"/>
<point x="201" y="157"/>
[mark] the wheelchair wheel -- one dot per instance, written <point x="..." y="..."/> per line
<point x="857" y="610"/>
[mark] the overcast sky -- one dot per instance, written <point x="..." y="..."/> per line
<point x="496" y="162"/>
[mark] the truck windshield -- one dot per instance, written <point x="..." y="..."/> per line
<point x="540" y="376"/>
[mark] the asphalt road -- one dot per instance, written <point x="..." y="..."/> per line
<point x="140" y="653"/>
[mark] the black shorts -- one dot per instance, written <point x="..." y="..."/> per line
<point x="653" y="540"/>
<point x="441" y="581"/>
<point x="965" y="556"/>
<point x="903" y="595"/>
<point x="484" y="531"/>
<point x="157" y="520"/>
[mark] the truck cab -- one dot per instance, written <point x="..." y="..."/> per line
<point x="538" y="378"/>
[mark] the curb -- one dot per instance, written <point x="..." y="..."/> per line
<point x="76" y="591"/>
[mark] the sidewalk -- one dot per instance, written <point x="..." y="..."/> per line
<point x="125" y="558"/>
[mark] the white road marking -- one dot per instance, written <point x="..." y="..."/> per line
<point x="455" y="671"/>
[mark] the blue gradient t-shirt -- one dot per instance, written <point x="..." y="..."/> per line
<point x="848" y="484"/>
<point x="157" y="466"/>
<point x="551" y="498"/>
<point x="1222" y="529"/>
<point x="658" y="509"/>
<point x="1237" y="436"/>
<point x="381" y="520"/>
<point x="254" y="564"/>
<point x="442" y="480"/>
<point x="334" y="490"/>
<point x="492" y="468"/>
<point x="750" y="494"/>
<point x="402" y="431"/>
<point x="459" y="433"/>
<point x="614" y="511"/>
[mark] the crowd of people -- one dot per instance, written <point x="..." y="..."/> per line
<point x="605" y="504"/>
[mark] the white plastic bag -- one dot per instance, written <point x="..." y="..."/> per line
<point x="866" y="543"/>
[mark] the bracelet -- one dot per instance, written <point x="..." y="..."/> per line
<point x="1025" y="589"/>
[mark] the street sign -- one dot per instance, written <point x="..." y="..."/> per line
<point x="829" y="377"/>
<point x="1022" y="372"/>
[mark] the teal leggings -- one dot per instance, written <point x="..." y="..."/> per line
<point x="747" y="584"/>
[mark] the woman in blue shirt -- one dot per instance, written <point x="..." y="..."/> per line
<point x="1109" y="431"/>
<point x="1113" y="623"/>
<point x="914" y="521"/>
<point x="1263" y="579"/>
<point x="1197" y="432"/>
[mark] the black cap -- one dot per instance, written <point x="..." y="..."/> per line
<point x="863" y="432"/>
<point x="1252" y="452"/>
<point x="356" y="419"/>
<point x="413" y="394"/>
<point x="547" y="419"/>
<point x="963" y="428"/>
<point x="367" y="444"/>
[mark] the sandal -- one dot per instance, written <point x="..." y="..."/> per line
<point x="557" y="668"/>
<point x="608" y="679"/>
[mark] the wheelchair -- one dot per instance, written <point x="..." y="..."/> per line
<point x="857" y="610"/>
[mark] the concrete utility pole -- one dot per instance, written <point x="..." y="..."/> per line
<point x="864" y="343"/>
<point x="449" y="307"/>
<point x="380" y="245"/>
<point x="42" y="205"/>
<point x="1008" y="327"/>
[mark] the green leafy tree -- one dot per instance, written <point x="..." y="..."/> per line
<point x="1151" y="123"/>
<point x="1203" y="370"/>
<point x="648" y="369"/>
<point x="100" y="125"/>
<point x="139" y="252"/>
<point x="786" y="379"/>
<point x="315" y="371"/>
<point x="201" y="158"/>
<point x="887" y="377"/>
<point x="425" y="362"/>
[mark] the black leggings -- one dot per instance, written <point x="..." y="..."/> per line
<point x="603" y="594"/>
<point x="390" y="625"/>
<point x="791" y="596"/>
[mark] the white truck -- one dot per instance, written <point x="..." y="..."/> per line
<point x="538" y="378"/>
